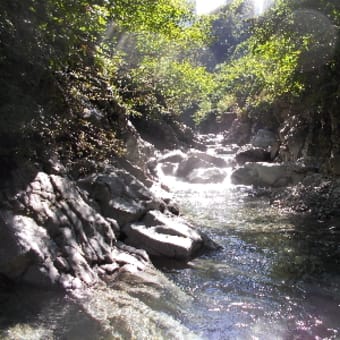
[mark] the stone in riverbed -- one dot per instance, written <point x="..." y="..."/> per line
<point x="168" y="168"/>
<point x="187" y="166"/>
<point x="173" y="157"/>
<point x="267" y="174"/>
<point x="213" y="160"/>
<point x="164" y="236"/>
<point x="204" y="176"/>
<point x="200" y="167"/>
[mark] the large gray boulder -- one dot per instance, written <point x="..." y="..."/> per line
<point x="267" y="174"/>
<point x="217" y="162"/>
<point x="264" y="138"/>
<point x="249" y="153"/>
<point x="195" y="167"/>
<point x="164" y="236"/>
<point x="23" y="244"/>
<point x="188" y="165"/>
<point x="173" y="157"/>
<point x="54" y="236"/>
<point x="120" y="195"/>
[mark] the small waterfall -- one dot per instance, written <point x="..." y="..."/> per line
<point x="197" y="170"/>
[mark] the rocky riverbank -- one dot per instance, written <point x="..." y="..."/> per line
<point x="71" y="221"/>
<point x="302" y="185"/>
<point x="85" y="232"/>
<point x="73" y="233"/>
<point x="316" y="195"/>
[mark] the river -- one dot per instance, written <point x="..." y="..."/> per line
<point x="276" y="276"/>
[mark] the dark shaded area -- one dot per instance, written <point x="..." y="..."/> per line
<point x="164" y="132"/>
<point x="52" y="312"/>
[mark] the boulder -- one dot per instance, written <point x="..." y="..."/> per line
<point x="24" y="244"/>
<point x="213" y="160"/>
<point x="204" y="176"/>
<point x="189" y="168"/>
<point x="188" y="165"/>
<point x="251" y="154"/>
<point x="63" y="234"/>
<point x="52" y="233"/>
<point x="263" y="139"/>
<point x="267" y="174"/>
<point x="168" y="168"/>
<point x="173" y="157"/>
<point x="120" y="195"/>
<point x="164" y="236"/>
<point x="293" y="137"/>
<point x="138" y="150"/>
<point x="239" y="133"/>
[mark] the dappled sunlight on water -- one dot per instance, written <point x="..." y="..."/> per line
<point x="276" y="277"/>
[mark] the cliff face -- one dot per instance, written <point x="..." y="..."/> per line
<point x="312" y="139"/>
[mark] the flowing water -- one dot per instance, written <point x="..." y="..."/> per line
<point x="277" y="276"/>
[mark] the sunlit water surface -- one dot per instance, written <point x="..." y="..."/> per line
<point x="276" y="276"/>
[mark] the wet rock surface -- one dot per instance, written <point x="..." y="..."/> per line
<point x="130" y="307"/>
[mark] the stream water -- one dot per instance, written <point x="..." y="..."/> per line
<point x="277" y="276"/>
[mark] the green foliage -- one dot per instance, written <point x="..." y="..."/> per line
<point x="174" y="85"/>
<point x="77" y="139"/>
<point x="264" y="74"/>
<point x="61" y="58"/>
<point x="157" y="57"/>
<point x="230" y="27"/>
<point x="292" y="52"/>
<point x="160" y="72"/>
